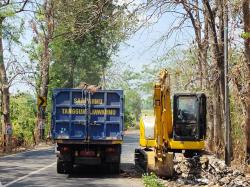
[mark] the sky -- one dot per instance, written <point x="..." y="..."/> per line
<point x="145" y="46"/>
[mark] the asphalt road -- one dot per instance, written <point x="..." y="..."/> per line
<point x="38" y="168"/>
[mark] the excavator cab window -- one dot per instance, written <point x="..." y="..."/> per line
<point x="189" y="117"/>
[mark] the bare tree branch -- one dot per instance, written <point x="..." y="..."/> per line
<point x="23" y="6"/>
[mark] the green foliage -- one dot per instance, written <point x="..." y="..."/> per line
<point x="23" y="117"/>
<point x="147" y="103"/>
<point x="132" y="107"/>
<point x="148" y="112"/>
<point x="128" y="80"/>
<point x="129" y="119"/>
<point x="245" y="35"/>
<point x="133" y="103"/>
<point x="7" y="11"/>
<point x="182" y="66"/>
<point x="236" y="117"/>
<point x="151" y="180"/>
<point x="76" y="62"/>
<point x="84" y="42"/>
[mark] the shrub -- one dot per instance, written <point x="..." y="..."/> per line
<point x="151" y="180"/>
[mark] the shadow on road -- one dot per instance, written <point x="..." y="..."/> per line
<point x="127" y="170"/>
<point x="38" y="154"/>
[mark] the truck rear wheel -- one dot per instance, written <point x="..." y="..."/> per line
<point x="114" y="168"/>
<point x="68" y="167"/>
<point x="64" y="167"/>
<point x="60" y="168"/>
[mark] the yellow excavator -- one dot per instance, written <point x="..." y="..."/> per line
<point x="161" y="136"/>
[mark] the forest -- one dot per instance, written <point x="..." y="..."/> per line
<point x="70" y="42"/>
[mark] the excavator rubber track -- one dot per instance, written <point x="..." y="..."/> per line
<point x="141" y="159"/>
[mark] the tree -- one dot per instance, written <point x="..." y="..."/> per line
<point x="43" y="28"/>
<point x="246" y="19"/>
<point x="216" y="33"/>
<point x="74" y="42"/>
<point x="202" y="16"/>
<point x="7" y="8"/>
<point x="23" y="109"/>
<point x="91" y="36"/>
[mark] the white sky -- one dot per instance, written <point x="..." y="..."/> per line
<point x="140" y="49"/>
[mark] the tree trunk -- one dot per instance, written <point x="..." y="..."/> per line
<point x="5" y="96"/>
<point x="210" y="117"/>
<point x="246" y="18"/>
<point x="216" y="38"/>
<point x="71" y="82"/>
<point x="218" y="133"/>
<point x="44" y="68"/>
<point x="220" y="57"/>
<point x="43" y="90"/>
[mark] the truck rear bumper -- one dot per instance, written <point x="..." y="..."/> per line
<point x="112" y="159"/>
<point x="88" y="160"/>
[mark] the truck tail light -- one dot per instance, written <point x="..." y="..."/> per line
<point x="65" y="149"/>
<point x="110" y="150"/>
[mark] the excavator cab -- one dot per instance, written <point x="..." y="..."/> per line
<point x="189" y="117"/>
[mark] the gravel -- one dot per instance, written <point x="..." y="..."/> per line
<point x="206" y="171"/>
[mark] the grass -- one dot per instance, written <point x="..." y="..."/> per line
<point x="151" y="180"/>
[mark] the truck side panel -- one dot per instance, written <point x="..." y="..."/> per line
<point x="106" y="116"/>
<point x="69" y="114"/>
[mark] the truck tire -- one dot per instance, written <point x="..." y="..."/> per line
<point x="68" y="167"/>
<point x="114" y="168"/>
<point x="64" y="167"/>
<point x="60" y="167"/>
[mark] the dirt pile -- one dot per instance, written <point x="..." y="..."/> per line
<point x="208" y="171"/>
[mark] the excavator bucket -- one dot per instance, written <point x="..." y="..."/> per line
<point x="164" y="165"/>
<point x="146" y="160"/>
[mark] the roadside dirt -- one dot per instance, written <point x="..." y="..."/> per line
<point x="206" y="171"/>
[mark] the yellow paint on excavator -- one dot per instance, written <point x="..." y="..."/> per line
<point x="147" y="123"/>
<point x="164" y="165"/>
<point x="186" y="145"/>
<point x="161" y="165"/>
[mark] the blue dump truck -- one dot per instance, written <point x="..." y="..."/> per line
<point x="87" y="128"/>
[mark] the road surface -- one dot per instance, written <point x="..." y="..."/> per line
<point x="38" y="168"/>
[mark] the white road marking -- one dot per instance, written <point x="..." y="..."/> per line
<point x="28" y="175"/>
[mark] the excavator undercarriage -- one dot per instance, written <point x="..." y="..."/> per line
<point x="147" y="160"/>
